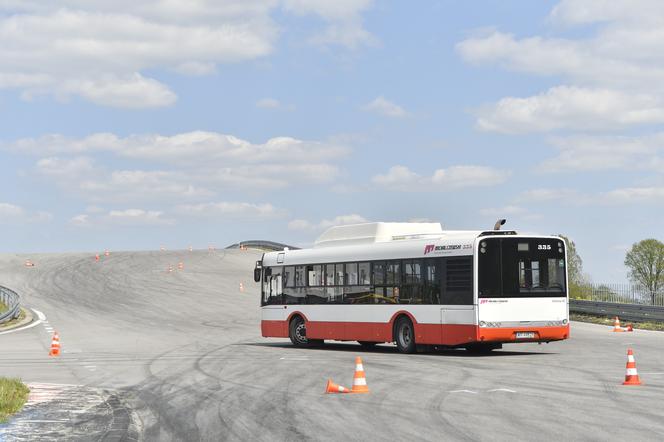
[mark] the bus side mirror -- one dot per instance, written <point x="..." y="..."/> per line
<point x="257" y="274"/>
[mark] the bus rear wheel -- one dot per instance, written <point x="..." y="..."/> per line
<point x="297" y="332"/>
<point x="405" y="335"/>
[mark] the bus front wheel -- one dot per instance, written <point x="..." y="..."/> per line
<point x="297" y="332"/>
<point x="405" y="335"/>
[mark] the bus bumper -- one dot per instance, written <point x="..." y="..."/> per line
<point x="522" y="334"/>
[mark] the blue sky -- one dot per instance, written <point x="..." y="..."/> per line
<point x="129" y="126"/>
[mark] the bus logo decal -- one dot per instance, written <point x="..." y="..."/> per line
<point x="429" y="248"/>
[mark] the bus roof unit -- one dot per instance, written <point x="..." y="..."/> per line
<point x="367" y="233"/>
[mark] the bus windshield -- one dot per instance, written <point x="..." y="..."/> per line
<point x="521" y="268"/>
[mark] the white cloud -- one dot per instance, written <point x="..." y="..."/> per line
<point x="188" y="166"/>
<point x="133" y="91"/>
<point x="274" y="104"/>
<point x="547" y="195"/>
<point x="634" y="195"/>
<point x="517" y="212"/>
<point x="197" y="147"/>
<point x="101" y="51"/>
<point x="13" y="213"/>
<point x="11" y="210"/>
<point x="613" y="76"/>
<point x="231" y="209"/>
<point x="268" y="103"/>
<point x="456" y="177"/>
<point x="97" y="50"/>
<point x="304" y="225"/>
<point x="566" y="107"/>
<point x="619" y="196"/>
<point x="80" y="175"/>
<point x="583" y="152"/>
<point x="137" y="217"/>
<point x="343" y="18"/>
<point x="382" y="106"/>
<point x="82" y="220"/>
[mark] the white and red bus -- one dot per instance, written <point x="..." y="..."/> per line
<point x="416" y="284"/>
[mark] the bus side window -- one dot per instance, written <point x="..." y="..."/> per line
<point x="432" y="269"/>
<point x="458" y="280"/>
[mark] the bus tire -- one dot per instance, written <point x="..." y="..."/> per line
<point x="297" y="332"/>
<point x="367" y="344"/>
<point x="404" y="335"/>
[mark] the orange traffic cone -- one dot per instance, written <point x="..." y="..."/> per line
<point x="97" y="257"/>
<point x="241" y="287"/>
<point x="191" y="249"/>
<point x="107" y="253"/>
<point x="29" y="263"/>
<point x="631" y="376"/>
<point x="334" y="388"/>
<point x="55" y="345"/>
<point x="170" y="268"/>
<point x="616" y="325"/>
<point x="180" y="266"/>
<point x="359" y="379"/>
<point x="629" y="328"/>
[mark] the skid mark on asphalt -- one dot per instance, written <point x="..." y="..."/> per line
<point x="495" y="390"/>
<point x="57" y="412"/>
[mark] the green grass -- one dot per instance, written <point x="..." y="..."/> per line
<point x="9" y="323"/>
<point x="604" y="320"/>
<point x="13" y="394"/>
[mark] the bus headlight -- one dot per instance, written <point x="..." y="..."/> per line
<point x="564" y="321"/>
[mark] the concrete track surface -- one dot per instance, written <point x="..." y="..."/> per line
<point x="179" y="356"/>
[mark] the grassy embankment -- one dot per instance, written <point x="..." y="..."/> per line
<point x="657" y="326"/>
<point x="3" y="307"/>
<point x="13" y="395"/>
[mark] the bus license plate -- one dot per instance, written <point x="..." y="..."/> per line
<point x="525" y="335"/>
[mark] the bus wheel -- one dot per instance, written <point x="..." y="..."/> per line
<point x="367" y="344"/>
<point x="297" y="332"/>
<point x="405" y="335"/>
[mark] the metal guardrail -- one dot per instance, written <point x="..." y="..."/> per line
<point x="629" y="312"/>
<point x="12" y="300"/>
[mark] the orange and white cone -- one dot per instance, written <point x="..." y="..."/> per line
<point x="334" y="388"/>
<point x="55" y="345"/>
<point x="616" y="325"/>
<point x="629" y="328"/>
<point x="29" y="263"/>
<point x="359" y="379"/>
<point x="191" y="249"/>
<point x="180" y="266"/>
<point x="107" y="253"/>
<point x="631" y="376"/>
<point x="170" y="269"/>
<point x="241" y="287"/>
<point x="97" y="257"/>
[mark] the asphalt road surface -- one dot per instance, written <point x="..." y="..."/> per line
<point x="153" y="355"/>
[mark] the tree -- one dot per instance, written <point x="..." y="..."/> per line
<point x="645" y="261"/>
<point x="574" y="262"/>
<point x="577" y="283"/>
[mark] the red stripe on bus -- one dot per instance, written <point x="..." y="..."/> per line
<point x="436" y="334"/>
